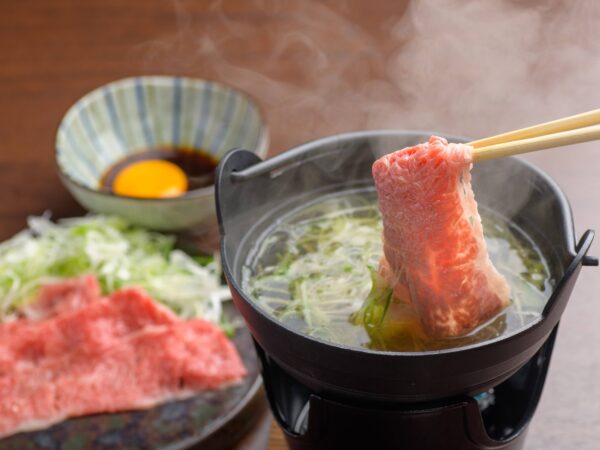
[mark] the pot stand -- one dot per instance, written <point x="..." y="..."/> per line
<point x="496" y="419"/>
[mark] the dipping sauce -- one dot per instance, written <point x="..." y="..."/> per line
<point x="160" y="173"/>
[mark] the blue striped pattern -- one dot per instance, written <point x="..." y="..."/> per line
<point x="83" y="164"/>
<point x="224" y="125"/>
<point x="204" y="105"/>
<point x="91" y="132"/>
<point x="101" y="129"/>
<point x="143" y="112"/>
<point x="176" y="112"/>
<point x="115" y="122"/>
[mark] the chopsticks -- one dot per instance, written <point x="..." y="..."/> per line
<point x="569" y="130"/>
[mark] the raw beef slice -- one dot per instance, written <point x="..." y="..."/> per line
<point x="117" y="353"/>
<point x="91" y="328"/>
<point x="435" y="254"/>
<point x="54" y="298"/>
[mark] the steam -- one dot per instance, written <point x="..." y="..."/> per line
<point x="495" y="66"/>
<point x="467" y="68"/>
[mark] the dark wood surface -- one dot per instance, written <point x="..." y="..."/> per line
<point x="318" y="68"/>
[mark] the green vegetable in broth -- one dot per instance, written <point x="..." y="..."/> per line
<point x="298" y="287"/>
<point x="317" y="272"/>
<point x="374" y="309"/>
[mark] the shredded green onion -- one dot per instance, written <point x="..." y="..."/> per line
<point x="317" y="272"/>
<point x="322" y="275"/>
<point x="118" y="254"/>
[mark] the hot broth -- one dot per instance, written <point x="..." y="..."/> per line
<point x="318" y="265"/>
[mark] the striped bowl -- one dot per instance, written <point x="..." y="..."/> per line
<point x="135" y="114"/>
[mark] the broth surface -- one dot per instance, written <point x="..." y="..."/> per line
<point x="315" y="268"/>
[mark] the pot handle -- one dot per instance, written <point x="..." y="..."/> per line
<point x="584" y="245"/>
<point x="310" y="150"/>
<point x="295" y="155"/>
<point x="557" y="303"/>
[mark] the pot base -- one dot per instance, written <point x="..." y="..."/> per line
<point x="496" y="419"/>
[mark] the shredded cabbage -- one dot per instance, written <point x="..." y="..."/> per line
<point x="118" y="254"/>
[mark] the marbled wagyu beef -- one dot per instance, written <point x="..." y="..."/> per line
<point x="88" y="354"/>
<point x="435" y="254"/>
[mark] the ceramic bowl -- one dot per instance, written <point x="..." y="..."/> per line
<point x="136" y="114"/>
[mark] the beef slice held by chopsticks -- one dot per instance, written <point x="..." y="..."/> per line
<point x="435" y="254"/>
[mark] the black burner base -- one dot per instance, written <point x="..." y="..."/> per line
<point x="498" y="420"/>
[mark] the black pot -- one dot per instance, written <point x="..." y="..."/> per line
<point x="250" y="194"/>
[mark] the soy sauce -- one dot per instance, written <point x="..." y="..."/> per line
<point x="198" y="165"/>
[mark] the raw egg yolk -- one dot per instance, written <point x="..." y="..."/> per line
<point x="151" y="178"/>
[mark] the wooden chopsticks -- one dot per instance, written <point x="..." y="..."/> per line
<point x="569" y="130"/>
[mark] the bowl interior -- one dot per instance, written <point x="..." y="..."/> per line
<point x="137" y="114"/>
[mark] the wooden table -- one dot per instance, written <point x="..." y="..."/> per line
<point x="317" y="68"/>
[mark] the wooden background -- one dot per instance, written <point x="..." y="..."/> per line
<point x="316" y="68"/>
